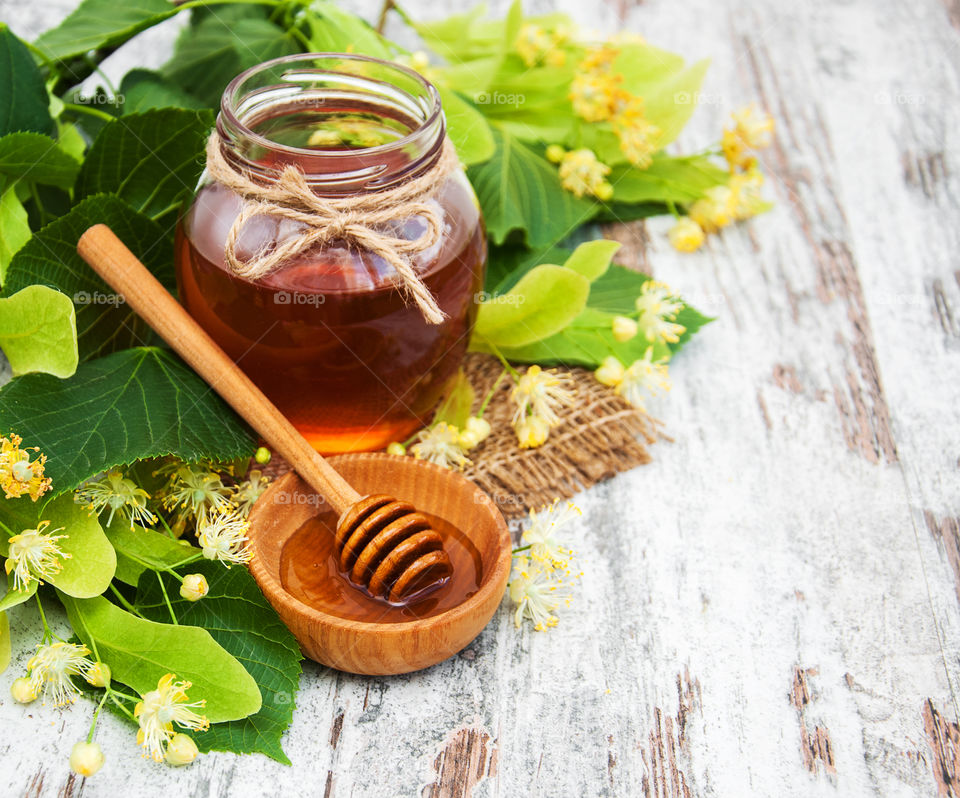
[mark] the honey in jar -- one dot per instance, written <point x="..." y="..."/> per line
<point x="329" y="335"/>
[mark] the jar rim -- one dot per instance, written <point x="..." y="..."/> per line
<point x="232" y="96"/>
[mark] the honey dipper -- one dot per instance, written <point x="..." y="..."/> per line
<point x="384" y="545"/>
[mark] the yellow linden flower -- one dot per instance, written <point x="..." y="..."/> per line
<point x="34" y="555"/>
<point x="610" y="371"/>
<point x="715" y="209"/>
<point x="542" y="393"/>
<point x="657" y="298"/>
<point x="247" y="492"/>
<point x="223" y="537"/>
<point x="475" y="432"/>
<point x="52" y="667"/>
<point x="645" y="377"/>
<point x="441" y="444"/>
<point x="686" y="235"/>
<point x="160" y="709"/>
<point x="537" y="589"/>
<point x="745" y="189"/>
<point x="19" y="475"/>
<point x="533" y="43"/>
<point x="599" y="59"/>
<point x="532" y="432"/>
<point x="120" y="494"/>
<point x="397" y="449"/>
<point x="754" y="126"/>
<point x="181" y="750"/>
<point x="541" y="536"/>
<point x="197" y="492"/>
<point x="99" y="675"/>
<point x="595" y="95"/>
<point x="581" y="173"/>
<point x="735" y="150"/>
<point x="194" y="587"/>
<point x="638" y="136"/>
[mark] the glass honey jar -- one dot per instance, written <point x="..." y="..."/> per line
<point x="330" y="333"/>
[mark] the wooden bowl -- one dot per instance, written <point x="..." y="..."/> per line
<point x="383" y="648"/>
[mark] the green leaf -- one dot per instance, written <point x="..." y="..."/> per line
<point x="508" y="263"/>
<point x="467" y="128"/>
<point x="140" y="548"/>
<point x="38" y="331"/>
<point x="143" y="90"/>
<point x="131" y="405"/>
<point x="13" y="598"/>
<point x="104" y="323"/>
<point x="541" y="304"/>
<point x="592" y="258"/>
<point x="333" y="30"/>
<point x="457" y="403"/>
<point x="5" y="648"/>
<point x="38" y="159"/>
<point x="240" y="619"/>
<point x="150" y="160"/>
<point x="14" y="228"/>
<point x="520" y="190"/>
<point x="72" y="142"/>
<point x="92" y="562"/>
<point x="24" y="104"/>
<point x="101" y="24"/>
<point x="667" y="179"/>
<point x="211" y="53"/>
<point x="140" y="652"/>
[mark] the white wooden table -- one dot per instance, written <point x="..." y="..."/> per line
<point x="770" y="608"/>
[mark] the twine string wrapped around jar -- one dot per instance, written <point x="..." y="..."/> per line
<point x="361" y="219"/>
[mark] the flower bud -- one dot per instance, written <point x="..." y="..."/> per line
<point x="623" y="328"/>
<point x="181" y="750"/>
<point x="262" y="455"/>
<point x="99" y="675"/>
<point x="194" y="587"/>
<point x="22" y="691"/>
<point x="610" y="371"/>
<point x="603" y="192"/>
<point x="555" y="153"/>
<point x="474" y="432"/>
<point x="532" y="432"/>
<point x="86" y="758"/>
<point x="397" y="449"/>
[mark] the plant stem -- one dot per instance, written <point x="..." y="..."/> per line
<point x="166" y="598"/>
<point x="521" y="548"/>
<point x="489" y="396"/>
<point x="96" y="715"/>
<point x="388" y="6"/>
<point x="126" y="604"/>
<point x="119" y="704"/>
<point x="86" y="109"/>
<point x="47" y="634"/>
<point x="496" y="351"/>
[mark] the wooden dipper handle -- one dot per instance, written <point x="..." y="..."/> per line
<point x="123" y="272"/>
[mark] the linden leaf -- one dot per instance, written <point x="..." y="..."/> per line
<point x="24" y="104"/>
<point x="99" y="24"/>
<point x="15" y="597"/>
<point x="468" y="129"/>
<point x="592" y="258"/>
<point x="140" y="652"/>
<point x="151" y="160"/>
<point x="240" y="619"/>
<point x="544" y="301"/>
<point x="457" y="403"/>
<point x="144" y="90"/>
<point x="14" y="228"/>
<point x="104" y="322"/>
<point x="131" y="405"/>
<point x="681" y="180"/>
<point x="37" y="159"/>
<point x="5" y="649"/>
<point x="140" y="548"/>
<point x="38" y="331"/>
<point x="520" y="190"/>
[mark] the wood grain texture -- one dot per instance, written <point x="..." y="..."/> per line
<point x="816" y="430"/>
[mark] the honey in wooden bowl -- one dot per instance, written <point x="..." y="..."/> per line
<point x="337" y="624"/>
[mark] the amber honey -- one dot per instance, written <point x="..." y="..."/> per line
<point x="328" y="336"/>
<point x="309" y="572"/>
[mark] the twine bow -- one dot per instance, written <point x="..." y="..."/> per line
<point x="362" y="219"/>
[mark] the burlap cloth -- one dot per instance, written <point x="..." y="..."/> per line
<point x="601" y="435"/>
